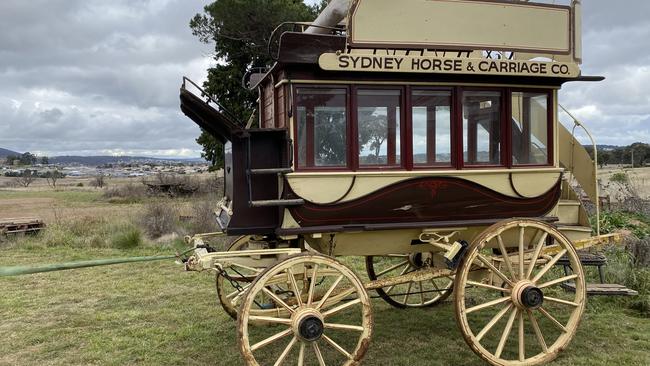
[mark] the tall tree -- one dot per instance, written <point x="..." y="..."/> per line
<point x="241" y="31"/>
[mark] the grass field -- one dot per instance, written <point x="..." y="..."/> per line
<point x="156" y="314"/>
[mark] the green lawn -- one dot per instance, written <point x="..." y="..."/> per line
<point x="156" y="314"/>
<point x="61" y="195"/>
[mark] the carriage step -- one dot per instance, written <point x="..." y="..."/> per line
<point x="272" y="203"/>
<point x="586" y="258"/>
<point x="603" y="289"/>
<point x="270" y="171"/>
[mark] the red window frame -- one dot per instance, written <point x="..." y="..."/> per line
<point x="550" y="103"/>
<point x="406" y="128"/>
<point x="355" y="138"/>
<point x="296" y="150"/>
<point x="431" y="146"/>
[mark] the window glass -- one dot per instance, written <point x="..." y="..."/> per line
<point x="322" y="127"/>
<point x="482" y="128"/>
<point x="378" y="126"/>
<point x="431" y="116"/>
<point x="529" y="128"/>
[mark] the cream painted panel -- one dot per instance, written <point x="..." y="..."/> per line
<point x="533" y="185"/>
<point x="328" y="187"/>
<point x="321" y="189"/>
<point x="482" y="24"/>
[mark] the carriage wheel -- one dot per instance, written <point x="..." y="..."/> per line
<point x="408" y="295"/>
<point x="230" y="296"/>
<point x="510" y="306"/>
<point x="330" y="324"/>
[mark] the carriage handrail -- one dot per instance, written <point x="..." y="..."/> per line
<point x="577" y="123"/>
<point x="222" y="109"/>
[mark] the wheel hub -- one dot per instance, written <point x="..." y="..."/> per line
<point x="527" y="296"/>
<point x="532" y="297"/>
<point x="308" y="324"/>
<point x="416" y="260"/>
<point x="310" y="328"/>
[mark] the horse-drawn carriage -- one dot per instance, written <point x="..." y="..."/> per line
<point x="424" y="137"/>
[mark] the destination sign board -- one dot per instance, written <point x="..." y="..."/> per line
<point x="441" y="65"/>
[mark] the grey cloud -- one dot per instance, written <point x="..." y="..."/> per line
<point x="91" y="75"/>
<point x="97" y="75"/>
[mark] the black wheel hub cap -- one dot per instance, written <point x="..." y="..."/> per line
<point x="532" y="297"/>
<point x="311" y="328"/>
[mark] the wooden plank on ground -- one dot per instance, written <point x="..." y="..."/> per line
<point x="606" y="289"/>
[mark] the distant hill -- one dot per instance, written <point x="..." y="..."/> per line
<point x="101" y="160"/>
<point x="5" y="152"/>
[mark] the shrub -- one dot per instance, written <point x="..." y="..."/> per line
<point x="159" y="218"/>
<point x="126" y="193"/>
<point x="129" y="238"/>
<point x="203" y="220"/>
<point x="80" y="184"/>
<point x="611" y="221"/>
<point x="620" y="177"/>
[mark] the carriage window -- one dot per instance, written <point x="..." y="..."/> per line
<point x="431" y="116"/>
<point x="529" y="128"/>
<point x="378" y="125"/>
<point x="482" y="128"/>
<point x="322" y="127"/>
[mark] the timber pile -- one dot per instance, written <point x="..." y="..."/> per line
<point x="21" y="225"/>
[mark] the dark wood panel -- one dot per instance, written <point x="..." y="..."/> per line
<point x="425" y="199"/>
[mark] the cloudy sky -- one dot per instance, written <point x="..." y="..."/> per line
<point x="101" y="77"/>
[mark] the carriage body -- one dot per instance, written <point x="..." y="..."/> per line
<point x="356" y="143"/>
<point x="407" y="137"/>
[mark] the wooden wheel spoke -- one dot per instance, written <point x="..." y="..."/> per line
<point x="504" y="254"/>
<point x="421" y="293"/>
<point x="337" y="347"/>
<point x="312" y="285"/>
<point x="485" y="285"/>
<point x="301" y="354"/>
<point x="329" y="292"/>
<point x="286" y="351"/>
<point x="408" y="293"/>
<point x="538" y="331"/>
<point x="494" y="269"/>
<point x="548" y="265"/>
<point x="553" y="320"/>
<point x="271" y="339"/>
<point x="522" y="341"/>
<point x="357" y="328"/>
<point x="406" y="268"/>
<point x="493" y="322"/>
<point x="488" y="304"/>
<point x="434" y="285"/>
<point x="506" y="332"/>
<point x="319" y="355"/>
<point x="341" y="307"/>
<point x="538" y="250"/>
<point x="560" y="301"/>
<point x="559" y="280"/>
<point x="391" y="268"/>
<point x="277" y="300"/>
<point x="521" y="252"/>
<point x="294" y="287"/>
<point x="269" y="319"/>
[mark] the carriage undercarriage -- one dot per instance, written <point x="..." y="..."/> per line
<point x="510" y="298"/>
